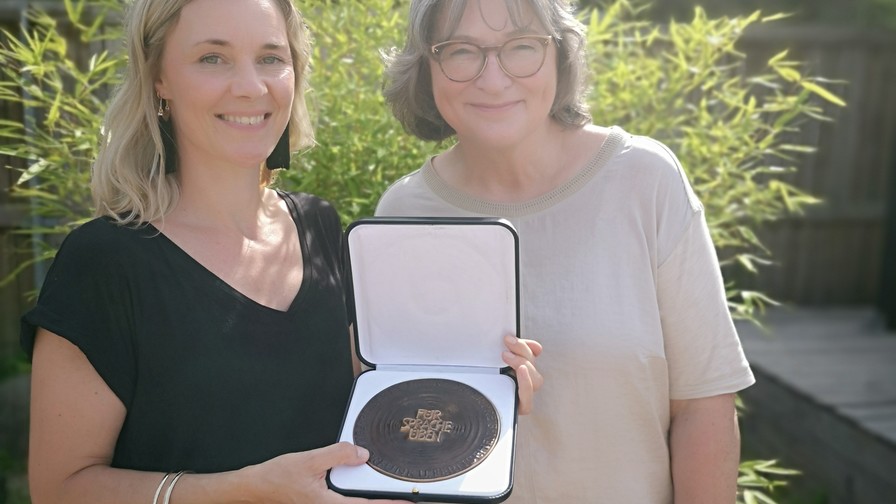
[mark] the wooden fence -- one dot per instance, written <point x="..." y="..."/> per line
<point x="832" y="255"/>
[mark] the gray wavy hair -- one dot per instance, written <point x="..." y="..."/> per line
<point x="408" y="83"/>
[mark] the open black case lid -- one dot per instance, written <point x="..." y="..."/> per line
<point x="434" y="298"/>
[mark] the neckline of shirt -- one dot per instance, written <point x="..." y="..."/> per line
<point x="612" y="144"/>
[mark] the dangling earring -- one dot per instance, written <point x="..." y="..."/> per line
<point x="166" y="129"/>
<point x="279" y="157"/>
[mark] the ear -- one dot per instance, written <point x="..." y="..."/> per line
<point x="160" y="88"/>
<point x="161" y="85"/>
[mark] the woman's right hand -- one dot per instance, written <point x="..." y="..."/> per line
<point x="300" y="478"/>
<point x="76" y="419"/>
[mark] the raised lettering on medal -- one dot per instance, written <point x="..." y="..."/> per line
<point x="427" y="429"/>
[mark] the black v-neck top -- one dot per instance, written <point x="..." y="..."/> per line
<point x="211" y="380"/>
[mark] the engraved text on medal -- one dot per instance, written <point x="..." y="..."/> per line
<point x="427" y="427"/>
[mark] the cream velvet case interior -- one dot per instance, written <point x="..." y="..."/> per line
<point x="434" y="298"/>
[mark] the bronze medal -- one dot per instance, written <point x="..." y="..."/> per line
<point x="427" y="430"/>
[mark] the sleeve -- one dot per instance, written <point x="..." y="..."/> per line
<point x="703" y="351"/>
<point x="321" y="214"/>
<point x="85" y="300"/>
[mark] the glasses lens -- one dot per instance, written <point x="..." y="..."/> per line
<point x="523" y="56"/>
<point x="461" y="61"/>
<point x="519" y="57"/>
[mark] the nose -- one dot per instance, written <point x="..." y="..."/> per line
<point x="493" y="75"/>
<point x="247" y="82"/>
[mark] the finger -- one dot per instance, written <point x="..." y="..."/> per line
<point x="529" y="380"/>
<point x="535" y="378"/>
<point x="526" y="347"/>
<point x="513" y="360"/>
<point x="525" y="390"/>
<point x="343" y="453"/>
<point x="516" y="361"/>
<point x="534" y="346"/>
<point x="519" y="347"/>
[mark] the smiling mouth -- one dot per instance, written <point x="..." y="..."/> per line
<point x="494" y="106"/>
<point x="247" y="120"/>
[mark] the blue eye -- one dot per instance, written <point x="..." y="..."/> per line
<point x="271" y="60"/>
<point x="212" y="59"/>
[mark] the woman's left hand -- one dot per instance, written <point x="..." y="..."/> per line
<point x="520" y="355"/>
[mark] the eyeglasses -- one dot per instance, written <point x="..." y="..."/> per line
<point x="518" y="57"/>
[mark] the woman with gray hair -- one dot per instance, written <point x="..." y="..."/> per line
<point x="619" y="277"/>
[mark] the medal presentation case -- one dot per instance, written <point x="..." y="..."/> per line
<point x="434" y="298"/>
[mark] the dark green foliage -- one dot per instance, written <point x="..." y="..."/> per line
<point x="361" y="148"/>
<point x="63" y="99"/>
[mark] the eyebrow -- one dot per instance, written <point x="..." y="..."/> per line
<point x="519" y="32"/>
<point x="271" y="46"/>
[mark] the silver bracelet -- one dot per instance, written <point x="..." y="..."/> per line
<point x="155" y="498"/>
<point x="171" y="487"/>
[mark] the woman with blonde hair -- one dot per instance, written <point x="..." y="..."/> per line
<point x="190" y="344"/>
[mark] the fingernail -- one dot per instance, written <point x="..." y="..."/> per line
<point x="510" y="339"/>
<point x="362" y="452"/>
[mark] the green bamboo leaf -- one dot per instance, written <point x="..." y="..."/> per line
<point x="805" y="149"/>
<point x="822" y="92"/>
<point x="34" y="170"/>
<point x="777" y="17"/>
<point x="53" y="112"/>
<point x="91" y="30"/>
<point x="19" y="268"/>
<point x="781" y="471"/>
<point x="788" y="74"/>
<point x="74" y="10"/>
<point x="753" y="297"/>
<point x="778" y="57"/>
<point x="763" y="498"/>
